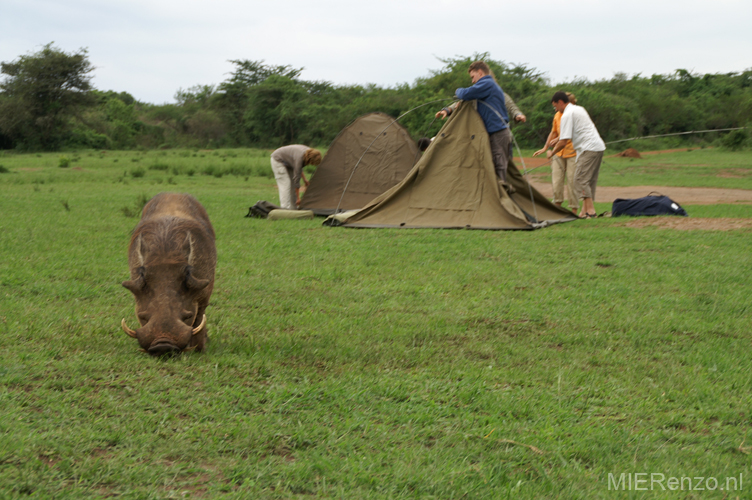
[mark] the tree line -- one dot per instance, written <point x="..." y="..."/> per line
<point x="47" y="102"/>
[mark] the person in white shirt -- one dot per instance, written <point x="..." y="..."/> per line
<point x="579" y="129"/>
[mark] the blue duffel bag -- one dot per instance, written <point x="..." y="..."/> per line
<point x="652" y="204"/>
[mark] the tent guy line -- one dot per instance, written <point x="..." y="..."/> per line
<point x="678" y="133"/>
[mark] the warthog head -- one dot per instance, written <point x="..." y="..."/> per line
<point x="170" y="300"/>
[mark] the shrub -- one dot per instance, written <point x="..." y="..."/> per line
<point x="263" y="171"/>
<point x="736" y="140"/>
<point x="138" y="206"/>
<point x="138" y="172"/>
<point x="64" y="162"/>
<point x="3" y="169"/>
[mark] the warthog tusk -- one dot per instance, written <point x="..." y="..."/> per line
<point x="128" y="330"/>
<point x="199" y="327"/>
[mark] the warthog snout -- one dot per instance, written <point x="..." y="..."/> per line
<point x="163" y="347"/>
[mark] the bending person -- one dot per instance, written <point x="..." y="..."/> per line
<point x="579" y="129"/>
<point x="287" y="165"/>
<point x="563" y="164"/>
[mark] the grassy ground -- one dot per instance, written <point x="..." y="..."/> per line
<point x="371" y="363"/>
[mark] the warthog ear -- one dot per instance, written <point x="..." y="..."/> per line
<point x="137" y="284"/>
<point x="193" y="283"/>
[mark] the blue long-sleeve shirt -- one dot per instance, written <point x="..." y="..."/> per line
<point x="487" y="90"/>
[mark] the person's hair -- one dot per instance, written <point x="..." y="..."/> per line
<point x="560" y="96"/>
<point x="572" y="98"/>
<point x="312" y="157"/>
<point x="423" y="143"/>
<point x="479" y="65"/>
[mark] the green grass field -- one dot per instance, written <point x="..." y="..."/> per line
<point x="352" y="364"/>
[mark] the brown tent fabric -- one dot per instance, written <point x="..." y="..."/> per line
<point x="384" y="153"/>
<point x="454" y="185"/>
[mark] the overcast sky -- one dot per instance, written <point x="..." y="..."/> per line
<point x="152" y="48"/>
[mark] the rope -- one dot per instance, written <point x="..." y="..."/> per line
<point x="417" y="154"/>
<point x="677" y="133"/>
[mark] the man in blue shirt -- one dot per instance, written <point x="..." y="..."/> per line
<point x="492" y="110"/>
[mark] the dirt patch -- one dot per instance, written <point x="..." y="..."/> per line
<point x="689" y="223"/>
<point x="630" y="153"/>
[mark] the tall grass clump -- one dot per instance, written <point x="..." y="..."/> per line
<point x="137" y="207"/>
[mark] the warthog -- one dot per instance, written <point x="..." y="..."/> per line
<point x="172" y="257"/>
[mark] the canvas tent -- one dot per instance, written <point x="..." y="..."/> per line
<point x="384" y="153"/>
<point x="454" y="185"/>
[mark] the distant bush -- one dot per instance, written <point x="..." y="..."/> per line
<point x="3" y="169"/>
<point x="213" y="170"/>
<point x="262" y="171"/>
<point x="64" y="162"/>
<point x="138" y="172"/>
<point x="87" y="138"/>
<point x="159" y="166"/>
<point x="736" y="140"/>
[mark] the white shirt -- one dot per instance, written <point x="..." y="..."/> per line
<point x="577" y="126"/>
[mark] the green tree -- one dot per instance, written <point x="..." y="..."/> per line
<point x="40" y="94"/>
<point x="236" y="98"/>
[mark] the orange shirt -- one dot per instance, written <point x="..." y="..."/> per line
<point x="568" y="151"/>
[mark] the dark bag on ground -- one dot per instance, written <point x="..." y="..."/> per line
<point x="652" y="204"/>
<point x="261" y="209"/>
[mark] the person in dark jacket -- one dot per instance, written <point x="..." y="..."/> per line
<point x="492" y="109"/>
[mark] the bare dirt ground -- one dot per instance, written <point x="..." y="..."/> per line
<point x="681" y="195"/>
